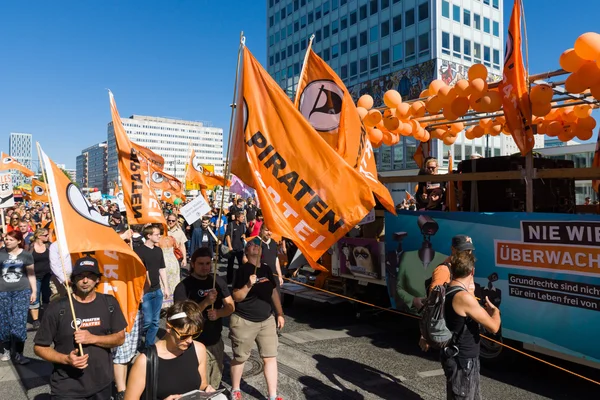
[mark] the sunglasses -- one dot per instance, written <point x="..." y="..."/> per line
<point x="361" y="254"/>
<point x="171" y="220"/>
<point x="184" y="336"/>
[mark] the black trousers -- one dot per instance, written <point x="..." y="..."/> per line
<point x="462" y="378"/>
<point x="235" y="254"/>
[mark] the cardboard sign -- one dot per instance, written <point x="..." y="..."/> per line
<point x="195" y="209"/>
<point x="7" y="198"/>
<point x="95" y="196"/>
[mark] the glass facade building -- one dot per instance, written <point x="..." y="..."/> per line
<point x="92" y="167"/>
<point x="20" y="148"/>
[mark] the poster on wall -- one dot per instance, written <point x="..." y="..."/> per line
<point x="360" y="258"/>
<point x="541" y="270"/>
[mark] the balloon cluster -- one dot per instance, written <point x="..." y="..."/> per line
<point x="583" y="61"/>
<point x="566" y="123"/>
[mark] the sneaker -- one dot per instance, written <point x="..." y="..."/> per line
<point x="21" y="359"/>
<point x="36" y="324"/>
<point x="5" y="356"/>
<point x="236" y="395"/>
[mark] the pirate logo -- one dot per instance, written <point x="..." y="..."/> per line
<point x="167" y="195"/>
<point x="39" y="190"/>
<point x="7" y="160"/>
<point x="120" y="196"/>
<point x="197" y="164"/>
<point x="82" y="206"/>
<point x="157" y="177"/>
<point x="78" y="321"/>
<point x="321" y="104"/>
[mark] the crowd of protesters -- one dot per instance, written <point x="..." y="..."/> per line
<point x="145" y="362"/>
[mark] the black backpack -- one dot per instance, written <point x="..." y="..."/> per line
<point x="433" y="325"/>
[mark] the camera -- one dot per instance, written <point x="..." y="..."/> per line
<point x="427" y="225"/>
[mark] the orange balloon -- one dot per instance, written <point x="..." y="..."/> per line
<point x="591" y="72"/>
<point x="434" y="105"/>
<point x="395" y="139"/>
<point x="570" y="61"/>
<point x="447" y="94"/>
<point x="417" y="109"/>
<point x="419" y="134"/>
<point x="478" y="71"/>
<point x="587" y="46"/>
<point x="569" y="115"/>
<point x="387" y="138"/>
<point x="543" y="127"/>
<point x="378" y="144"/>
<point x="403" y="110"/>
<point x="436" y="85"/>
<point x="477" y="103"/>
<point x="554" y="128"/>
<point x="478" y="131"/>
<point x="425" y="136"/>
<point x="406" y="129"/>
<point x="457" y="127"/>
<point x="375" y="135"/>
<point x="437" y="133"/>
<point x="462" y="88"/>
<point x="469" y="134"/>
<point x="576" y="83"/>
<point x="495" y="129"/>
<point x="495" y="100"/>
<point x="373" y="118"/>
<point x="424" y="94"/>
<point x="486" y="123"/>
<point x="365" y="101"/>
<point x="478" y="87"/>
<point x="595" y="90"/>
<point x="588" y="123"/>
<point x="392" y="98"/>
<point x="565" y="136"/>
<point x="541" y="94"/>
<point x="449" y="140"/>
<point x="583" y="134"/>
<point x="583" y="110"/>
<point x="541" y="109"/>
<point x="362" y="112"/>
<point x="391" y="123"/>
<point x="460" y="106"/>
<point x="448" y="114"/>
<point x="552" y="115"/>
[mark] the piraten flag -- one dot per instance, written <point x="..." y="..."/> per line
<point x="80" y="229"/>
<point x="141" y="203"/>
<point x="9" y="162"/>
<point x="26" y="194"/>
<point x="156" y="159"/>
<point x="196" y="173"/>
<point x="306" y="191"/>
<point x="38" y="191"/>
<point x="327" y="105"/>
<point x="169" y="186"/>
<point x="515" y="96"/>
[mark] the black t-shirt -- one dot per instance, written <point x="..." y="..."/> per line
<point x="251" y="213"/>
<point x="269" y="254"/>
<point x="233" y="210"/>
<point x="195" y="289"/>
<point x="256" y="307"/>
<point x="41" y="262"/>
<point x="235" y="230"/>
<point x="153" y="261"/>
<point x="101" y="317"/>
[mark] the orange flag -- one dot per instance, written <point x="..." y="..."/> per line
<point x="117" y="190"/>
<point x="515" y="100"/>
<point x="196" y="173"/>
<point x="306" y="191"/>
<point x="81" y="229"/>
<point x="169" y="186"/>
<point x="450" y="192"/>
<point x="327" y="105"/>
<point x="157" y="160"/>
<point x="141" y="203"/>
<point x="38" y="191"/>
<point x="9" y="162"/>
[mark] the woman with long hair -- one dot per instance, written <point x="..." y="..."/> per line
<point x="41" y="266"/>
<point x="13" y="222"/>
<point x="168" y="244"/>
<point x="178" y="361"/>
<point x="17" y="291"/>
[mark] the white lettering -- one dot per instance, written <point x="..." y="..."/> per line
<point x="317" y="241"/>
<point x="274" y="194"/>
<point x="110" y="271"/>
<point x="534" y="232"/>
<point x="575" y="233"/>
<point x="302" y="228"/>
<point x="567" y="259"/>
<point x="289" y="211"/>
<point x="554" y="235"/>
<point x="579" y="256"/>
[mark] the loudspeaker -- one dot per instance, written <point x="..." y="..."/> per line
<point x="549" y="195"/>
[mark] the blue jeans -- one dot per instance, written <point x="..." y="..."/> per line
<point x="151" y="310"/>
<point x="43" y="291"/>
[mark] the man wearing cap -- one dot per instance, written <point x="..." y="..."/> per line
<point x="101" y="326"/>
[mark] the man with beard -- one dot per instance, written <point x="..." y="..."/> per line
<point x="101" y="326"/>
<point x="215" y="304"/>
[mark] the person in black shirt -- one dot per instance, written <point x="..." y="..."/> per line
<point x="253" y="320"/>
<point x="251" y="210"/>
<point x="199" y="288"/>
<point x="101" y="326"/>
<point x="269" y="255"/>
<point x="235" y="236"/>
<point x="235" y="209"/>
<point x="463" y="314"/>
<point x="152" y="257"/>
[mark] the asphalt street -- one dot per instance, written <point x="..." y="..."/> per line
<point x="326" y="352"/>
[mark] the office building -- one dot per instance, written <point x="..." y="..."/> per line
<point x="173" y="140"/>
<point x="20" y="148"/>
<point x="377" y="45"/>
<point x="92" y="167"/>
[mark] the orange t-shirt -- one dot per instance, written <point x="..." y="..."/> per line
<point x="441" y="275"/>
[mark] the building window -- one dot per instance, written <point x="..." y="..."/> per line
<point x="456" y="45"/>
<point x="326" y="8"/>
<point x="423" y="11"/>
<point x="352" y="17"/>
<point x="445" y="9"/>
<point x="271" y="40"/>
<point x="486" y="2"/>
<point x="486" y="55"/>
<point x="334" y="4"/>
<point x="290" y="30"/>
<point x="423" y="43"/>
<point x="410" y="49"/>
<point x="477" y="52"/>
<point x="271" y="21"/>
<point x="353" y="69"/>
<point x="344" y="47"/>
<point x="496" y="58"/>
<point x="397" y="22"/>
<point x="303" y="21"/>
<point x="373" y="8"/>
<point x="467" y="17"/>
<point x="477" y="21"/>
<point x="486" y="25"/>
<point x="277" y="57"/>
<point x="385" y="28"/>
<point x="363" y="65"/>
<point x="344" y="23"/>
<point x="303" y="44"/>
<point x="325" y="31"/>
<point x="397" y="54"/>
<point x="283" y="34"/>
<point x="282" y="13"/>
<point x="495" y="4"/>
<point x="334" y="51"/>
<point x="310" y="17"/>
<point x="446" y="43"/>
<point x="363" y="38"/>
<point x="467" y="49"/>
<point x="362" y="11"/>
<point x="385" y="4"/>
<point x="318" y="13"/>
<point x="283" y="55"/>
<point x="409" y="17"/>
<point x="289" y="9"/>
<point x="289" y="50"/>
<point x="271" y="61"/>
<point x="296" y="26"/>
<point x="385" y="57"/>
<point x="353" y="44"/>
<point x="456" y="13"/>
<point x="296" y="47"/>
<point x="374" y="61"/>
<point x="496" y="29"/>
<point x="344" y="71"/>
<point x="374" y="33"/>
<point x="318" y="35"/>
<point x="326" y="54"/>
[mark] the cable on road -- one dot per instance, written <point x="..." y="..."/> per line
<point x="418" y="317"/>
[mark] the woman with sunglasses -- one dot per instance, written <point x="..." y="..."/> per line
<point x="41" y="266"/>
<point x="181" y="359"/>
<point x="13" y="224"/>
<point x="253" y="321"/>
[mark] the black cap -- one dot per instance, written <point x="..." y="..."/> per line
<point x="116" y="215"/>
<point x="462" y="243"/>
<point x="85" y="264"/>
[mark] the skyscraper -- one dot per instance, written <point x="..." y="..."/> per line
<point x="377" y="45"/>
<point x="20" y="148"/>
<point x="92" y="169"/>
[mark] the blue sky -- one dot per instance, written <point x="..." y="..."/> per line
<point x="164" y="58"/>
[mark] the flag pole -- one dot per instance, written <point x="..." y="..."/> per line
<point x="62" y="261"/>
<point x="303" y="71"/>
<point x="227" y="159"/>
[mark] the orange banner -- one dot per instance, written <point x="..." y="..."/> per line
<point x="197" y="173"/>
<point x="141" y="203"/>
<point x="515" y="100"/>
<point x="157" y="160"/>
<point x="306" y="191"/>
<point x="327" y="105"/>
<point x="80" y="228"/>
<point x="9" y="162"/>
<point x="38" y="191"/>
<point x="116" y="190"/>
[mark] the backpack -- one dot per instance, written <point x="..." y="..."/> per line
<point x="433" y="325"/>
<point x="64" y="305"/>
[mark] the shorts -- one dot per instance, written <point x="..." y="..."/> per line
<point x="214" y="363"/>
<point x="125" y="352"/>
<point x="244" y="333"/>
<point x="462" y="378"/>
